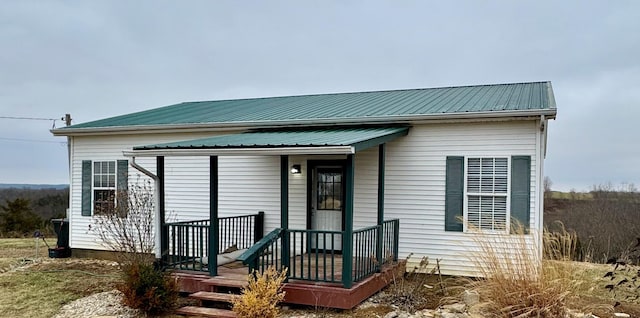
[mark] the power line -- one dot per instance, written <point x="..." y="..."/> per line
<point x="33" y="140"/>
<point x="27" y="118"/>
<point x="52" y="120"/>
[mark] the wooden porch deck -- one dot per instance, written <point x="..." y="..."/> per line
<point x="301" y="292"/>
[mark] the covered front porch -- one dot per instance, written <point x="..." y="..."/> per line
<point x="342" y="259"/>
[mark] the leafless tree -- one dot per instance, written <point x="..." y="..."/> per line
<point x="125" y="224"/>
<point x="547" y="183"/>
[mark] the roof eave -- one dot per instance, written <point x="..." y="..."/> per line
<point x="271" y="151"/>
<point x="221" y="126"/>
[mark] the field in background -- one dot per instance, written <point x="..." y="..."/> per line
<point x="33" y="286"/>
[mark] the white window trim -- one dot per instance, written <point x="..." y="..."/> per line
<point x="465" y="211"/>
<point x="94" y="188"/>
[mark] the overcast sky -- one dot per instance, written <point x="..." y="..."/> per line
<point x="98" y="59"/>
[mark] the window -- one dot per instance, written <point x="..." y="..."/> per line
<point x="329" y="189"/>
<point x="104" y="185"/>
<point x="489" y="193"/>
<point x="100" y="182"/>
<point x="487" y="189"/>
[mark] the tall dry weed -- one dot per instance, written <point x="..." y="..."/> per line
<point x="562" y="245"/>
<point x="515" y="281"/>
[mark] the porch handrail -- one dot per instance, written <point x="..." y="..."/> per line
<point x="252" y="255"/>
<point x="194" y="222"/>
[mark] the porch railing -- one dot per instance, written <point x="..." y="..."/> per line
<point x="368" y="257"/>
<point x="315" y="255"/>
<point x="390" y="239"/>
<point x="188" y="246"/>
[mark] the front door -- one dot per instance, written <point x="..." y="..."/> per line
<point x="326" y="208"/>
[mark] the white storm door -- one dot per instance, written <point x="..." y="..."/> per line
<point x="327" y="207"/>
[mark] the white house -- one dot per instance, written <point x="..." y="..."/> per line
<point x="439" y="160"/>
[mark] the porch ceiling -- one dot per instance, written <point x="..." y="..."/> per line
<point x="279" y="142"/>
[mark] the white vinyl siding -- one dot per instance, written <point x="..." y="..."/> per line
<point x="415" y="185"/>
<point x="247" y="184"/>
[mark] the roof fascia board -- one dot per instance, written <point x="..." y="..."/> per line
<point x="328" y="150"/>
<point x="549" y="113"/>
<point x="551" y="96"/>
<point x="365" y="144"/>
<point x="476" y="120"/>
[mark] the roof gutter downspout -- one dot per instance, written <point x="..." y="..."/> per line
<point x="158" y="222"/>
<point x="544" y="121"/>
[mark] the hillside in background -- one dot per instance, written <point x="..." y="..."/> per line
<point x="605" y="220"/>
<point x="24" y="210"/>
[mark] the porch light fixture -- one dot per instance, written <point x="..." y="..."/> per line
<point x="296" y="169"/>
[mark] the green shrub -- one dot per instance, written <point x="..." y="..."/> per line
<point x="148" y="289"/>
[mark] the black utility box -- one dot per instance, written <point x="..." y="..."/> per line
<point x="62" y="249"/>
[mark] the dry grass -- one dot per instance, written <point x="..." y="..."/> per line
<point x="519" y="284"/>
<point x="14" y="251"/>
<point x="561" y="245"/>
<point x="523" y="285"/>
<point x="39" y="289"/>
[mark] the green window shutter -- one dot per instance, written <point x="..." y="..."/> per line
<point x="520" y="191"/>
<point x="122" y="175"/>
<point x="454" y="194"/>
<point x="86" y="187"/>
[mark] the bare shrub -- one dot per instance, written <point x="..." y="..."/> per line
<point x="419" y="288"/>
<point x="261" y="297"/>
<point x="125" y="225"/>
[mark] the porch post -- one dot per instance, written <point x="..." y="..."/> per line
<point x="213" y="215"/>
<point x="284" y="209"/>
<point x="347" y="236"/>
<point x="379" y="237"/>
<point x="164" y="232"/>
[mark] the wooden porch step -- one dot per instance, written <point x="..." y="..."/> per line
<point x="205" y="312"/>
<point x="212" y="296"/>
<point x="234" y="276"/>
<point x="226" y="282"/>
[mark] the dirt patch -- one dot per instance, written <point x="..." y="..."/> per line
<point x="92" y="266"/>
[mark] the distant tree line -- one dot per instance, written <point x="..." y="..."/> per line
<point x="23" y="210"/>
<point x="606" y="221"/>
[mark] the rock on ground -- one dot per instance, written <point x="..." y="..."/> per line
<point x="98" y="305"/>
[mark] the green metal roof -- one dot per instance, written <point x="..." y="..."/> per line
<point x="379" y="106"/>
<point x="357" y="138"/>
